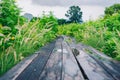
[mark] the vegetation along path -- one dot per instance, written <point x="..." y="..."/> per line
<point x="63" y="59"/>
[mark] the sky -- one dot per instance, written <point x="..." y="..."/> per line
<point x="92" y="9"/>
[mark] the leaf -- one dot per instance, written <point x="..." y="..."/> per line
<point x="6" y="28"/>
<point x="2" y="35"/>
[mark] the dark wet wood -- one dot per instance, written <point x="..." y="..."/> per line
<point x="33" y="71"/>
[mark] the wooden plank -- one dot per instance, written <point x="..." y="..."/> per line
<point x="53" y="68"/>
<point x="109" y="67"/>
<point x="70" y="70"/>
<point x="16" y="70"/>
<point x="108" y="64"/>
<point x="33" y="71"/>
<point x="93" y="70"/>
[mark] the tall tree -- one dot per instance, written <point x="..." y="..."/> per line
<point x="61" y="21"/>
<point x="74" y="14"/>
<point x="112" y="9"/>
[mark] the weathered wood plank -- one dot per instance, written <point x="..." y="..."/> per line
<point x="111" y="66"/>
<point x="33" y="71"/>
<point x="53" y="68"/>
<point x="13" y="73"/>
<point x="93" y="70"/>
<point x="91" y="67"/>
<point x="71" y="69"/>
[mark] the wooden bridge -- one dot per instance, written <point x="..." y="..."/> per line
<point x="63" y="59"/>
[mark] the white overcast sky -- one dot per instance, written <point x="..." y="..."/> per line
<point x="91" y="9"/>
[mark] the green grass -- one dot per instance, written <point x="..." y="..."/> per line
<point x="15" y="47"/>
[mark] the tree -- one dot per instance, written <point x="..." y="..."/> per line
<point x="112" y="9"/>
<point x="74" y="14"/>
<point x="61" y="21"/>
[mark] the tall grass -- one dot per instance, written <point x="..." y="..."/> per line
<point x="28" y="39"/>
<point x="117" y="43"/>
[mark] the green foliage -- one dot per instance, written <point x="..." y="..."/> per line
<point x="110" y="47"/>
<point x="10" y="14"/>
<point x="49" y="21"/>
<point x="112" y="9"/>
<point x="74" y="14"/>
<point x="62" y="21"/>
<point x="112" y="22"/>
<point x="117" y="43"/>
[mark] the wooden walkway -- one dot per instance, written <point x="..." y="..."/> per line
<point x="62" y="59"/>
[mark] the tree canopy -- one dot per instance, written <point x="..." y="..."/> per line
<point x="74" y="14"/>
<point x="112" y="9"/>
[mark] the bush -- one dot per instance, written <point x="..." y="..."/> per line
<point x="112" y="22"/>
